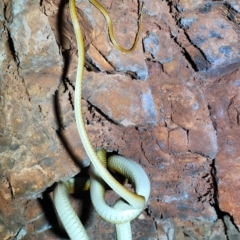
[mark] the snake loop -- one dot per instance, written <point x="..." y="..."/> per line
<point x="120" y="214"/>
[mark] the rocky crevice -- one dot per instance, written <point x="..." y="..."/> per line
<point x="172" y="105"/>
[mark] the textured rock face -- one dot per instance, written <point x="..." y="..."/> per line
<point x="130" y="101"/>
<point x="224" y="103"/>
<point x="207" y="32"/>
<point x="173" y="105"/>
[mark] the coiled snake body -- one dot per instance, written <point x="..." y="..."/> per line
<point x="131" y="204"/>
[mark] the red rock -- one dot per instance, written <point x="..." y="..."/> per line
<point x="178" y="142"/>
<point x="222" y="97"/>
<point x="174" y="123"/>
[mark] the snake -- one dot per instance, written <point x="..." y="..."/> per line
<point x="110" y="27"/>
<point x="120" y="214"/>
<point x="131" y="203"/>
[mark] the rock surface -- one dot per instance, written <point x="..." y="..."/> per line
<point x="172" y="105"/>
<point x="224" y="104"/>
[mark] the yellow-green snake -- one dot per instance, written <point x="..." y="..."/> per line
<point x="110" y="27"/>
<point x="99" y="173"/>
<point x="121" y="214"/>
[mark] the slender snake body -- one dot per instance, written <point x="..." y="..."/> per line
<point x="131" y="203"/>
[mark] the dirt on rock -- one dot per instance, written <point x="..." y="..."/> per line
<point x="172" y="105"/>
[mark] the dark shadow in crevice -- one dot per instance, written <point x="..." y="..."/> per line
<point x="12" y="49"/>
<point x="46" y="202"/>
<point x="221" y="214"/>
<point x="199" y="62"/>
<point x="92" y="108"/>
<point x="66" y="59"/>
<point x="87" y="207"/>
<point x="65" y="53"/>
<point x="47" y="205"/>
<point x="231" y="13"/>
